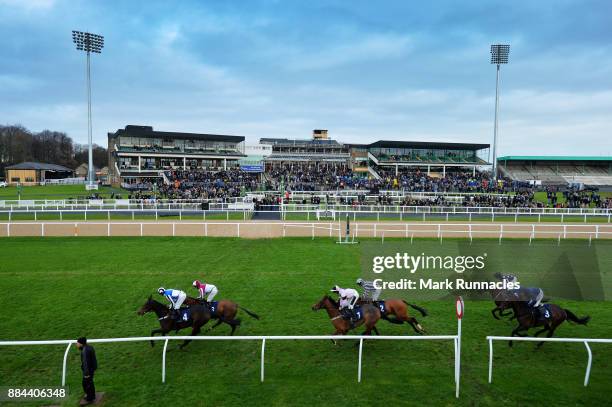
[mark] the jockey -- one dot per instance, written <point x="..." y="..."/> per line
<point x="176" y="298"/>
<point x="207" y="291"/>
<point x="369" y="291"/>
<point x="531" y="295"/>
<point x="348" y="299"/>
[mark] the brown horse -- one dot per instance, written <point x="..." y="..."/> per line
<point x="225" y="312"/>
<point x="526" y="319"/>
<point x="371" y="315"/>
<point x="399" y="309"/>
<point x="200" y="315"/>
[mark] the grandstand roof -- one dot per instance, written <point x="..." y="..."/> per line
<point x="39" y="166"/>
<point x="285" y="141"/>
<point x="427" y="144"/>
<point x="553" y="158"/>
<point x="147" y="131"/>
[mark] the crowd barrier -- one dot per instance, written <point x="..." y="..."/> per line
<point x="455" y="338"/>
<point x="585" y="341"/>
<point x="308" y="229"/>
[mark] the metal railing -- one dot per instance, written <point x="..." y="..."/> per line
<point x="585" y="341"/>
<point x="307" y="229"/>
<point x="455" y="338"/>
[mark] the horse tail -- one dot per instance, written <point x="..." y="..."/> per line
<point x="252" y="314"/>
<point x="423" y="311"/>
<point x="572" y="317"/>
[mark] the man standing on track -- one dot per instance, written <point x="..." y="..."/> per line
<point x="89" y="364"/>
<point x="207" y="292"/>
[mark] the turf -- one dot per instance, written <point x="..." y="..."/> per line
<point x="56" y="288"/>
<point x="57" y="192"/>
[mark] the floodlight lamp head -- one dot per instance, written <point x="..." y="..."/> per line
<point x="499" y="54"/>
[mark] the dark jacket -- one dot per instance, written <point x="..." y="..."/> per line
<point x="89" y="363"/>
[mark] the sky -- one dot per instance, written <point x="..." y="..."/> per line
<point x="393" y="70"/>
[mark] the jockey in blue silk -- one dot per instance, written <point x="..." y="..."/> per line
<point x="176" y="298"/>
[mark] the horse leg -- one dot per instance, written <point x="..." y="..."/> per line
<point x="551" y="331"/>
<point x="234" y="324"/>
<point x="194" y="331"/>
<point x="515" y="332"/>
<point x="156" y="331"/>
<point x="375" y="330"/>
<point x="219" y="322"/>
<point x="416" y="326"/>
<point x="494" y="312"/>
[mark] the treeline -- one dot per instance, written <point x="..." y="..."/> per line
<point x="18" y="144"/>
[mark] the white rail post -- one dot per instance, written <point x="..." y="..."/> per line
<point x="312" y="231"/>
<point x="141" y="230"/>
<point x="42" y="229"/>
<point x="359" y="365"/>
<point x="64" y="365"/>
<point x="375" y="230"/>
<point x="456" y="343"/>
<point x="164" y="362"/>
<point x="490" y="360"/>
<point x="588" y="369"/>
<point x="596" y="231"/>
<point x="173" y="229"/>
<point x="263" y="350"/>
<point x="238" y="229"/>
<point x="108" y="229"/>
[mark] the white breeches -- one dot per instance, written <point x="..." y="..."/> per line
<point x="211" y="294"/>
<point x="179" y="301"/>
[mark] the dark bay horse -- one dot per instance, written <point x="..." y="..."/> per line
<point x="371" y="315"/>
<point x="398" y="308"/>
<point x="226" y="312"/>
<point x="526" y="319"/>
<point x="501" y="305"/>
<point x="200" y="315"/>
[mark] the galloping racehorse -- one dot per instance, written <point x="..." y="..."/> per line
<point x="225" y="311"/>
<point x="501" y="304"/>
<point x="399" y="309"/>
<point x="371" y="315"/>
<point x="199" y="316"/>
<point x="526" y="319"/>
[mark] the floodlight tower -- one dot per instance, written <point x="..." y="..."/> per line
<point x="499" y="56"/>
<point x="89" y="43"/>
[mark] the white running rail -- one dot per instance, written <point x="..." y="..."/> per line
<point x="585" y="341"/>
<point x="455" y="338"/>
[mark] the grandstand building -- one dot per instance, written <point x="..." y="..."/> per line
<point x="426" y="156"/>
<point x="138" y="153"/>
<point x="318" y="152"/>
<point x="558" y="170"/>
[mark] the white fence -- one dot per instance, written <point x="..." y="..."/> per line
<point x="455" y="338"/>
<point x="585" y="341"/>
<point x="308" y="229"/>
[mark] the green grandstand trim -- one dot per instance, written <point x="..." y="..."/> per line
<point x="553" y="158"/>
